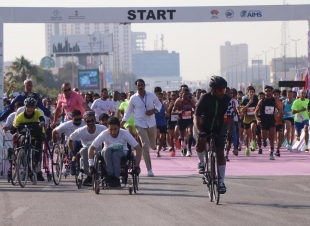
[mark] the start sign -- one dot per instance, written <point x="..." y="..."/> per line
<point x="159" y="14"/>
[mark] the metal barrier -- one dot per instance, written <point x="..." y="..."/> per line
<point x="6" y="141"/>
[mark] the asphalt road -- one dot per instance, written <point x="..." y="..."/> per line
<point x="162" y="200"/>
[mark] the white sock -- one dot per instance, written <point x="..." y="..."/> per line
<point x="183" y="144"/>
<point x="222" y="170"/>
<point x="201" y="156"/>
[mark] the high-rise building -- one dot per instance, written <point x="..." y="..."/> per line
<point x="137" y="42"/>
<point x="118" y="61"/>
<point x="233" y="57"/>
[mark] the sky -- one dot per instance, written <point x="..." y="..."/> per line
<point x="197" y="43"/>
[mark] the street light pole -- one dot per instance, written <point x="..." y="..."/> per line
<point x="266" y="62"/>
<point x="275" y="63"/>
<point x="295" y="40"/>
<point x="91" y="50"/>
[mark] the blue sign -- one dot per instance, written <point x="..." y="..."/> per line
<point x="108" y="77"/>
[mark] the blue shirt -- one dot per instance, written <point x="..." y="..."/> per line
<point x="160" y="117"/>
<point x="288" y="109"/>
<point x="21" y="98"/>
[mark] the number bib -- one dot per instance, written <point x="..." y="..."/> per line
<point x="269" y="110"/>
<point x="300" y="117"/>
<point x="187" y="115"/>
<point x="250" y="111"/>
<point x="174" y="118"/>
<point x="290" y="113"/>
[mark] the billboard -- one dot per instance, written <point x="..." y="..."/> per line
<point x="81" y="44"/>
<point x="88" y="79"/>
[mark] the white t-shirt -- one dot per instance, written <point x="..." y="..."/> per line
<point x="10" y="119"/>
<point x="68" y="128"/>
<point x="236" y="105"/>
<point x="85" y="137"/>
<point x="123" y="138"/>
<point x="102" y="106"/>
<point x="116" y="105"/>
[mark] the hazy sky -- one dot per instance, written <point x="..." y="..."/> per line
<point x="197" y="43"/>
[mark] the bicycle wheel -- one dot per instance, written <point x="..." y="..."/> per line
<point x="207" y="176"/>
<point x="96" y="176"/>
<point x="57" y="163"/>
<point x="216" y="179"/>
<point x="22" y="168"/>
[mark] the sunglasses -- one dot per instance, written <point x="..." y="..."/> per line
<point x="67" y="90"/>
<point x="90" y="121"/>
<point x="77" y="120"/>
<point x="221" y="90"/>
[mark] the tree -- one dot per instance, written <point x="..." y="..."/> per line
<point x="22" y="70"/>
<point x="65" y="73"/>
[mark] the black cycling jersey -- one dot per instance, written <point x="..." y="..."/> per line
<point x="267" y="110"/>
<point x="212" y="111"/>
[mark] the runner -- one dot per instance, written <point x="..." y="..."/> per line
<point x="103" y="105"/>
<point x="235" y="136"/>
<point x="248" y="108"/>
<point x="261" y="96"/>
<point x="301" y="120"/>
<point x="289" y="119"/>
<point x="241" y="125"/>
<point x="278" y="117"/>
<point x="116" y="103"/>
<point x="172" y="123"/>
<point x="266" y="108"/>
<point x="161" y="124"/>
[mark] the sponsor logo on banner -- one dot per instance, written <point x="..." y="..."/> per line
<point x="143" y="14"/>
<point x="214" y="14"/>
<point x="251" y="13"/>
<point x="229" y="13"/>
<point x="76" y="16"/>
<point x="56" y="15"/>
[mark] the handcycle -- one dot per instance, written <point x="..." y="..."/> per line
<point x="127" y="168"/>
<point x="211" y="176"/>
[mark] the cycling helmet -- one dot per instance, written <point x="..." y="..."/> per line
<point x="217" y="82"/>
<point x="30" y="102"/>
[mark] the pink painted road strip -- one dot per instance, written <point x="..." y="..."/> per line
<point x="290" y="163"/>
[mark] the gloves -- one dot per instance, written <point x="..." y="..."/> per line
<point x="137" y="170"/>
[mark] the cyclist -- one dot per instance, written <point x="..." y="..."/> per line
<point x="32" y="116"/>
<point x="86" y="134"/>
<point x="68" y="128"/>
<point x="115" y="142"/>
<point x="209" y="117"/>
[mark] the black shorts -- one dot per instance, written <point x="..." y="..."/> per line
<point x="291" y="120"/>
<point x="267" y="125"/>
<point x="258" y="130"/>
<point x="221" y="137"/>
<point x="171" y="125"/>
<point x="184" y="123"/>
<point x="162" y="129"/>
<point x="279" y="128"/>
<point x="241" y="125"/>
<point x="248" y="125"/>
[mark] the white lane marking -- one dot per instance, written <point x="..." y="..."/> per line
<point x="19" y="211"/>
<point x="303" y="187"/>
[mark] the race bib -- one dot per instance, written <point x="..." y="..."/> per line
<point x="300" y="117"/>
<point x="269" y="110"/>
<point x="174" y="118"/>
<point x="89" y="143"/>
<point x="187" y="115"/>
<point x="250" y="110"/>
<point x="290" y="113"/>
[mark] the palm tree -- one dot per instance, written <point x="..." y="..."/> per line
<point x="67" y="70"/>
<point x="22" y="70"/>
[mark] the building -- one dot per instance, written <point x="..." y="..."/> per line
<point x="119" y="60"/>
<point x="154" y="64"/>
<point x="233" y="57"/>
<point x="137" y="42"/>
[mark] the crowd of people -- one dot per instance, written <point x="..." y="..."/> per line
<point x="163" y="120"/>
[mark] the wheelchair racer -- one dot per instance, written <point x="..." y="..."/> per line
<point x="68" y="128"/>
<point x="32" y="116"/>
<point x="115" y="142"/>
<point x="87" y="135"/>
<point x="209" y="118"/>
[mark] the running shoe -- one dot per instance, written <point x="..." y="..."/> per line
<point x="253" y="145"/>
<point x="226" y="158"/>
<point x="172" y="154"/>
<point x="304" y="148"/>
<point x="40" y="176"/>
<point x="235" y="152"/>
<point x="260" y="151"/>
<point x="278" y="153"/>
<point x="239" y="146"/>
<point x="222" y="188"/>
<point x="189" y="153"/>
<point x="200" y="168"/>
<point x="158" y="154"/>
<point x="265" y="143"/>
<point x="271" y="157"/>
<point x="177" y="143"/>
<point x="183" y="152"/>
<point x="150" y="173"/>
<point x="247" y="151"/>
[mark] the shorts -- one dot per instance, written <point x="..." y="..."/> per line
<point x="241" y="124"/>
<point x="248" y="125"/>
<point x="291" y="120"/>
<point x="184" y="123"/>
<point x="171" y="125"/>
<point x="258" y="130"/>
<point x="300" y="125"/>
<point x="267" y="125"/>
<point x="162" y="129"/>
<point x="279" y="128"/>
<point x="221" y="137"/>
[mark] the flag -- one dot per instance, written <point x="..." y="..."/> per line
<point x="297" y="78"/>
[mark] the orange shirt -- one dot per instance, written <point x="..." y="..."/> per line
<point x="277" y="117"/>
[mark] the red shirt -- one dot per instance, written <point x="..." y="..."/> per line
<point x="74" y="102"/>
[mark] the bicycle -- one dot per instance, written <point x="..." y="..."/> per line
<point x="58" y="153"/>
<point x="211" y="175"/>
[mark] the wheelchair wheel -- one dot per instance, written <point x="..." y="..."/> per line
<point x="22" y="168"/>
<point x="57" y="163"/>
<point x="96" y="176"/>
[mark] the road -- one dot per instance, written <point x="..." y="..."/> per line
<point x="260" y="192"/>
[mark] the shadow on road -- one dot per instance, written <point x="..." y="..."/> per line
<point x="276" y="205"/>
